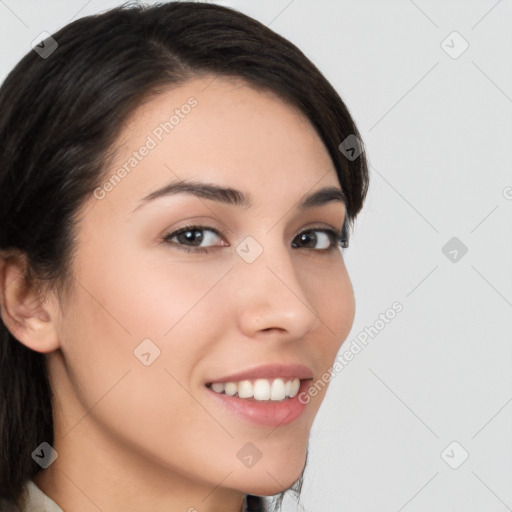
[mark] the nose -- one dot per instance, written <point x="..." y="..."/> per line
<point x="270" y="297"/>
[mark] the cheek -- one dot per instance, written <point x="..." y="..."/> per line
<point x="108" y="319"/>
<point x="332" y="296"/>
<point x="125" y="301"/>
<point x="148" y="294"/>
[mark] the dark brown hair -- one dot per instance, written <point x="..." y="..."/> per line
<point x="60" y="115"/>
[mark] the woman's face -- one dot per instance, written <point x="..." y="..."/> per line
<point x="151" y="323"/>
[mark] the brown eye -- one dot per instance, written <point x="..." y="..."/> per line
<point x="193" y="237"/>
<point x="328" y="239"/>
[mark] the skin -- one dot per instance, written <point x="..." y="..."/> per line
<point x="133" y="437"/>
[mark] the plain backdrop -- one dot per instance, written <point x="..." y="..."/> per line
<point x="421" y="418"/>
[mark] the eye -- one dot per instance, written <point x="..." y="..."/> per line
<point x="328" y="239"/>
<point x="193" y="235"/>
<point x="193" y="239"/>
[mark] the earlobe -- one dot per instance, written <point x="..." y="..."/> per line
<point x="28" y="319"/>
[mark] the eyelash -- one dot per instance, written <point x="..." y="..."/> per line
<point x="337" y="239"/>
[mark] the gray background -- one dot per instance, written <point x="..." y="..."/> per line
<point x="437" y="127"/>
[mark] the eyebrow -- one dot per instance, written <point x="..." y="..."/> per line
<point x="236" y="197"/>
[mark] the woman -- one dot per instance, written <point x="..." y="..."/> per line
<point x="177" y="184"/>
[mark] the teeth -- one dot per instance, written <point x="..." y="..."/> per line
<point x="245" y="389"/>
<point x="230" y="388"/>
<point x="218" y="387"/>
<point x="277" y="391"/>
<point x="260" y="389"/>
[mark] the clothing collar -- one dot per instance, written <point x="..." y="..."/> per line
<point x="36" y="499"/>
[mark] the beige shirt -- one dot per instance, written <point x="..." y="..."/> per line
<point x="37" y="501"/>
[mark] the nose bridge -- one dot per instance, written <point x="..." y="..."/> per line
<point x="270" y="294"/>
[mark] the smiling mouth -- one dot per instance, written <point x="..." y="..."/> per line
<point x="278" y="389"/>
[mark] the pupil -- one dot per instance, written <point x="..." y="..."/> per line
<point x="193" y="236"/>
<point x="312" y="238"/>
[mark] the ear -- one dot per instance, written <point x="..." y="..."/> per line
<point x="29" y="320"/>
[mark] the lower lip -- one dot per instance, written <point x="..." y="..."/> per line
<point x="265" y="412"/>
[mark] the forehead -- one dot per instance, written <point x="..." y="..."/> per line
<point x="222" y="130"/>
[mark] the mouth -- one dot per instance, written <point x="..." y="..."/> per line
<point x="275" y="390"/>
<point x="265" y="402"/>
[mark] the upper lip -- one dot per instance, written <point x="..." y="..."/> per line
<point x="269" y="371"/>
